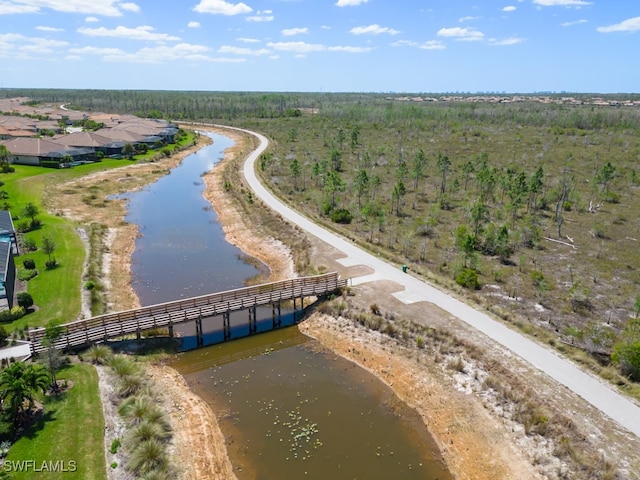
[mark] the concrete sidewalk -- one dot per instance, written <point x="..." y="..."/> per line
<point x="20" y="351"/>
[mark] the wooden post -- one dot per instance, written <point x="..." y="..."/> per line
<point x="170" y="329"/>
<point x="199" y="335"/>
<point x="279" y="313"/>
<point x="253" y="327"/>
<point x="294" y="310"/>
<point x="226" y="325"/>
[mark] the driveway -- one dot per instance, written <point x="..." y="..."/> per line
<point x="602" y="396"/>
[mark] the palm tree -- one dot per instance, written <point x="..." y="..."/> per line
<point x="18" y="385"/>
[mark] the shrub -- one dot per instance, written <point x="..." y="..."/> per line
<point x="23" y="226"/>
<point x="457" y="365"/>
<point x="29" y="263"/>
<point x="90" y="285"/>
<point x="51" y="264"/>
<point x="468" y="278"/>
<point x="115" y="445"/>
<point x="26" y="275"/>
<point x="25" y="300"/>
<point x="10" y="315"/>
<point x="148" y="457"/>
<point x="30" y="245"/>
<point x="626" y="353"/>
<point x="3" y="338"/>
<point x="100" y="354"/>
<point x="341" y="215"/>
<point x="612" y="197"/>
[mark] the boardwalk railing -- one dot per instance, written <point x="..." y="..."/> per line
<point x="126" y="322"/>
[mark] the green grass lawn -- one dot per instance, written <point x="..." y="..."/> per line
<point x="71" y="430"/>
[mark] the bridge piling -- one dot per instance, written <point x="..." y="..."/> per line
<point x="226" y="325"/>
<point x="199" y="334"/>
<point x="253" y="325"/>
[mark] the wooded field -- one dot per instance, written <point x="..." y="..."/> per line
<point x="530" y="209"/>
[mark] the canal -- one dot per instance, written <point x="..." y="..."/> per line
<point x="287" y="407"/>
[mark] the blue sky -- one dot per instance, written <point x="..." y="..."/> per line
<point x="323" y="45"/>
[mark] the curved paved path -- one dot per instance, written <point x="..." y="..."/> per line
<point x="611" y="403"/>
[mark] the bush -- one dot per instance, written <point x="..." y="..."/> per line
<point x="25" y="300"/>
<point x="23" y="226"/>
<point x="51" y="264"/>
<point x="29" y="263"/>
<point x="3" y="336"/>
<point x="626" y="353"/>
<point x="341" y="215"/>
<point x="612" y="197"/>
<point x="15" y="313"/>
<point x="26" y="275"/>
<point x="30" y="245"/>
<point x="468" y="278"/>
<point x="115" y="445"/>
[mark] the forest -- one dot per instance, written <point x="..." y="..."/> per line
<point x="527" y="208"/>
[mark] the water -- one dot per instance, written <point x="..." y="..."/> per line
<point x="182" y="251"/>
<point x="290" y="409"/>
<point x="293" y="410"/>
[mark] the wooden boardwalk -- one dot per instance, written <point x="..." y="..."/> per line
<point x="163" y="315"/>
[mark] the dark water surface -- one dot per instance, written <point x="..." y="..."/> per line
<point x="289" y="408"/>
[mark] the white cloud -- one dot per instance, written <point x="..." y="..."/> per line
<point x="143" y="32"/>
<point x="12" y="8"/>
<point x="628" y="25"/>
<point x="220" y="7"/>
<point x="243" y="51"/>
<point x="248" y="40"/>
<point x="91" y="19"/>
<point x="373" y="29"/>
<point x="505" y="42"/>
<point x="49" y="29"/>
<point x="576" y="22"/>
<point x="159" y="54"/>
<point x="350" y="49"/>
<point x="15" y="45"/>
<point x="261" y="16"/>
<point x="404" y="43"/>
<point x="509" y="8"/>
<point x="350" y="3"/>
<point x="463" y="34"/>
<point x="299" y="47"/>
<point x="289" y="32"/>
<point x="467" y="19"/>
<point x="562" y="3"/>
<point x="304" y="47"/>
<point x="429" y="45"/>
<point x="109" y="8"/>
<point x="433" y="45"/>
<point x="193" y="24"/>
<point x="130" y="7"/>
